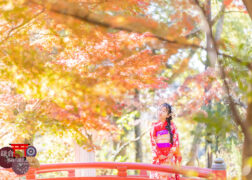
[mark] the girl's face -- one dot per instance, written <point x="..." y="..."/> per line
<point x="162" y="114"/>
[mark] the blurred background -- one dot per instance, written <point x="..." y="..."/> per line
<point x="81" y="80"/>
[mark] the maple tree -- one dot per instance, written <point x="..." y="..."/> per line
<point x="66" y="96"/>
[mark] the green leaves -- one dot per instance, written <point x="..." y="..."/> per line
<point x="127" y="120"/>
<point x="218" y="119"/>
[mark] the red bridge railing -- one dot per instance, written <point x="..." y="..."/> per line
<point x="191" y="172"/>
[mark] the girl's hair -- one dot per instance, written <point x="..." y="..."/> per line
<point x="168" y="120"/>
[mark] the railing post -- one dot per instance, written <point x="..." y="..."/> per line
<point x="31" y="174"/>
<point x="143" y="173"/>
<point x="122" y="171"/>
<point x="71" y="173"/>
<point x="219" y="169"/>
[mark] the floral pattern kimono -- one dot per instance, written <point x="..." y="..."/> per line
<point x="163" y="152"/>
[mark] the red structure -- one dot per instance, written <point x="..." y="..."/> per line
<point x="192" y="173"/>
<point x="19" y="146"/>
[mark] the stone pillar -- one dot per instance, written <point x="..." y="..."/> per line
<point x="81" y="155"/>
<point x="219" y="169"/>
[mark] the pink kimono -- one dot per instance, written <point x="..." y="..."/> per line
<point x="171" y="153"/>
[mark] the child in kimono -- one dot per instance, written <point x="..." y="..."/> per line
<point x="165" y="143"/>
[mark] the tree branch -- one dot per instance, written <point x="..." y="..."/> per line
<point x="83" y="15"/>
<point x="128" y="143"/>
<point x="232" y="106"/>
<point x="238" y="60"/>
<point x="20" y="26"/>
<point x="235" y="12"/>
<point x="218" y="16"/>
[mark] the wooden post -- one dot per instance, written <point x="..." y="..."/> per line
<point x="81" y="155"/>
<point x="122" y="171"/>
<point x="219" y="169"/>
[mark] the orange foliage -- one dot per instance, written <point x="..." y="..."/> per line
<point x="197" y="90"/>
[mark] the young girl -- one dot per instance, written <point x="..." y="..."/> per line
<point x="165" y="143"/>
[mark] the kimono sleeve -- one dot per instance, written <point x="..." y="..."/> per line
<point x="156" y="152"/>
<point x="175" y="146"/>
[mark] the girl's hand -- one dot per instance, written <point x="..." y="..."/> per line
<point x="167" y="162"/>
<point x="173" y="150"/>
<point x="162" y="157"/>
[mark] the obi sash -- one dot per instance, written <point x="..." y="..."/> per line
<point x="163" y="133"/>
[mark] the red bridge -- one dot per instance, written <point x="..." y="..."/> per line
<point x="188" y="173"/>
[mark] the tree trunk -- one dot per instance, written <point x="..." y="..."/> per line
<point x="137" y="130"/>
<point x="246" y="157"/>
<point x="247" y="144"/>
<point x="209" y="150"/>
<point x="248" y="4"/>
<point x="138" y="144"/>
<point x="195" y="146"/>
